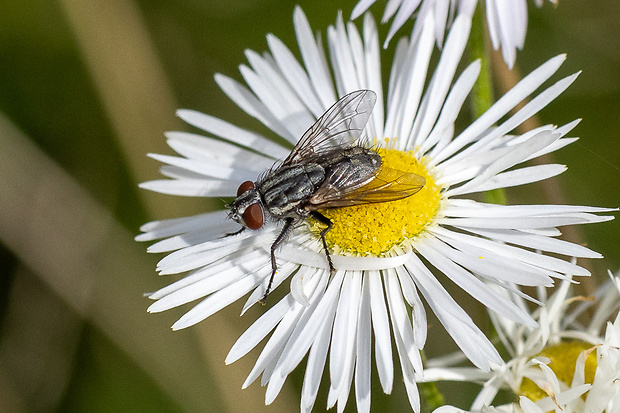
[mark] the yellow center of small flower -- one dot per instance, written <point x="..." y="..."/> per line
<point x="373" y="229"/>
<point x="563" y="358"/>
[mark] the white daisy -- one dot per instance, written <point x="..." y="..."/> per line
<point x="560" y="366"/>
<point x="383" y="253"/>
<point x="507" y="20"/>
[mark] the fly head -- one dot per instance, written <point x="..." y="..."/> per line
<point x="247" y="208"/>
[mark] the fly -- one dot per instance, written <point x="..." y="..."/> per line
<point x="328" y="168"/>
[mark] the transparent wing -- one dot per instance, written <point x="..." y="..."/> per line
<point x="340" y="126"/>
<point x="387" y="185"/>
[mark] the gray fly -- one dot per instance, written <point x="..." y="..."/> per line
<point x="328" y="168"/>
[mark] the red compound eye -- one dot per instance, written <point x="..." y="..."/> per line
<point x="244" y="187"/>
<point x="253" y="216"/>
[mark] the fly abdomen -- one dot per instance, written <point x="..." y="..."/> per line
<point x="283" y="192"/>
<point x="353" y="164"/>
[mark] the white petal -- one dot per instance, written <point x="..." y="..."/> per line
<point x="207" y="149"/>
<point x="316" y="365"/>
<point x="233" y="133"/>
<point x="218" y="300"/>
<point x="342" y="352"/>
<point x="539" y="242"/>
<point x="247" y="101"/>
<point x="382" y="333"/>
<point x="314" y="60"/>
<point x="454" y="319"/>
<point x="499" y="251"/>
<point x="441" y="81"/>
<point x="433" y="250"/>
<point x="403" y="331"/>
<point x="362" y="364"/>
<point x="506" y="103"/>
<point x="259" y="329"/>
<point x="192" y="187"/>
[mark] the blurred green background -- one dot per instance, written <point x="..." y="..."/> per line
<point x="88" y="87"/>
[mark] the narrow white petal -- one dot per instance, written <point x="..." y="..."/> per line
<point x="305" y="333"/>
<point x="407" y="83"/>
<point x="233" y="133"/>
<point x="191" y="187"/>
<point x="520" y="177"/>
<point x="208" y="252"/>
<point x="290" y="113"/>
<point x="418" y="314"/>
<point x="516" y="155"/>
<point x="528" y="110"/>
<point x="209" y="271"/>
<point x="362" y="364"/>
<point x="382" y="333"/>
<point x="218" y="300"/>
<point x="247" y="101"/>
<point x="316" y="365"/>
<point x="342" y="351"/>
<point x="490" y="265"/>
<point x="403" y="331"/>
<point x="454" y="319"/>
<point x="506" y="103"/>
<point x="467" y="242"/>
<point x="441" y="81"/>
<point x="405" y="10"/>
<point x="372" y="57"/>
<point x="295" y="75"/>
<point x="539" y="242"/>
<point x="433" y="249"/>
<point x="451" y="107"/>
<point x="343" y="61"/>
<point x="207" y="149"/>
<point x="208" y="285"/>
<point x="360" y="8"/>
<point x="259" y="329"/>
<point x="314" y="60"/>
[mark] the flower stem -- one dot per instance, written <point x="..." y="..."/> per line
<point x="482" y="93"/>
<point x="430" y="393"/>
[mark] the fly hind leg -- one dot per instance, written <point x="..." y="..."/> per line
<point x="288" y="225"/>
<point x="325" y="221"/>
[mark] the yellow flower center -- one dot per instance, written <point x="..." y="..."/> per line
<point x="563" y="358"/>
<point x="373" y="229"/>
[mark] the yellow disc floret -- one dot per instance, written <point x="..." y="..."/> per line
<point x="563" y="358"/>
<point x="373" y="229"/>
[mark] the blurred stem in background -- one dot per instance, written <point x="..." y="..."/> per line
<point x="482" y="93"/>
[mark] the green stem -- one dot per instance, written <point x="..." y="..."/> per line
<point x="482" y="93"/>
<point x="430" y="393"/>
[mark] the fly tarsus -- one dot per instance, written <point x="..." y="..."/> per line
<point x="288" y="226"/>
<point x="325" y="221"/>
<point x="232" y="234"/>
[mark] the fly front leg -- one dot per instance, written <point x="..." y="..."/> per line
<point x="325" y="221"/>
<point x="232" y="234"/>
<point x="288" y="226"/>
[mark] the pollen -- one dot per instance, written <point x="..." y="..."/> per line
<point x="374" y="229"/>
<point x="563" y="357"/>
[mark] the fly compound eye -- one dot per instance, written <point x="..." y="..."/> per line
<point x="245" y="187"/>
<point x="253" y="215"/>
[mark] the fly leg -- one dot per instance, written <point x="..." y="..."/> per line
<point x="325" y="221"/>
<point x="231" y="234"/>
<point x="288" y="225"/>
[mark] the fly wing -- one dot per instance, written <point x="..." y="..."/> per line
<point x="387" y="185"/>
<point x="340" y="126"/>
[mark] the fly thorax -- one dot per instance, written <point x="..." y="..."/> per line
<point x="284" y="191"/>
